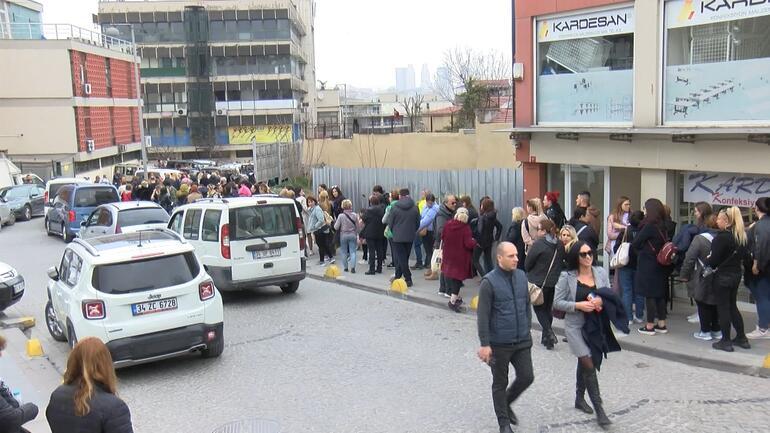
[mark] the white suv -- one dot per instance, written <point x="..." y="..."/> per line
<point x="144" y="294"/>
<point x="246" y="242"/>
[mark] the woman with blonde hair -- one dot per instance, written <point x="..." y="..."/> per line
<point x="568" y="236"/>
<point x="324" y="202"/>
<point x="87" y="400"/>
<point x="514" y="234"/>
<point x="728" y="249"/>
<point x="535" y="215"/>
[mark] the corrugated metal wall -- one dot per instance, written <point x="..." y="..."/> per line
<point x="503" y="185"/>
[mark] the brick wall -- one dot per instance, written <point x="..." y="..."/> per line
<point x="102" y="124"/>
<point x="122" y="73"/>
<point x="95" y="73"/>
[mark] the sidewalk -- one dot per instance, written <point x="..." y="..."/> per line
<point x="678" y="345"/>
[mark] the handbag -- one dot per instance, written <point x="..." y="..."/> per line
<point x="621" y="256"/>
<point x="535" y="291"/>
<point x="435" y="260"/>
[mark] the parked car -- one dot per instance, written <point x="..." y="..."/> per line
<point x="75" y="203"/>
<point x="144" y="294"/>
<point x="7" y="217"/>
<point x="246" y="242"/>
<point x="11" y="286"/>
<point x="124" y="217"/>
<point x="25" y="200"/>
<point x="52" y="189"/>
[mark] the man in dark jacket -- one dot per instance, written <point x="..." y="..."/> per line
<point x="445" y="213"/>
<point x="374" y="233"/>
<point x="12" y="414"/>
<point x="504" y="320"/>
<point x="585" y="231"/>
<point x="404" y="219"/>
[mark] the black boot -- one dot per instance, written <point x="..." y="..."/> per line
<point x="580" y="393"/>
<point x="592" y="385"/>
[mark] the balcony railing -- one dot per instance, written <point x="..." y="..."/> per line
<point x="40" y="31"/>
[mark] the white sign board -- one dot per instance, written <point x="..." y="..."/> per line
<point x="606" y="22"/>
<point x="685" y="13"/>
<point x="726" y="189"/>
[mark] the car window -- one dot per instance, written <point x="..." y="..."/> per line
<point x="176" y="222"/>
<point x="210" y="230"/>
<point x="63" y="195"/>
<point x="135" y="217"/>
<point x="14" y="193"/>
<point x="92" y="197"/>
<point x="192" y="222"/>
<point x="143" y="275"/>
<point x="104" y="218"/>
<point x="263" y="221"/>
<point x="64" y="267"/>
<point x="93" y="218"/>
<point x="54" y="189"/>
<point x="74" y="264"/>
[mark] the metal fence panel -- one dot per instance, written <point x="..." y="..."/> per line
<point x="503" y="185"/>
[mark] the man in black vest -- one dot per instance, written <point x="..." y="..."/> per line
<point x="504" y="322"/>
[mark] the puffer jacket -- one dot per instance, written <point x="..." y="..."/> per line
<point x="444" y="214"/>
<point x="373" y="226"/>
<point x="692" y="268"/>
<point x="108" y="414"/>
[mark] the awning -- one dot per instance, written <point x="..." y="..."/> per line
<point x="675" y="134"/>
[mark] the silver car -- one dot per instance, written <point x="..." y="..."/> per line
<point x="7" y="216"/>
<point x="123" y="217"/>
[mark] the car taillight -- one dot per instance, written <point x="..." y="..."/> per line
<point x="300" y="232"/>
<point x="117" y="229"/>
<point x="94" y="310"/>
<point x="45" y="197"/>
<point x="206" y="290"/>
<point x="72" y="216"/>
<point x="224" y="241"/>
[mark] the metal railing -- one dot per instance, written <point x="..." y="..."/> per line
<point x="40" y="31"/>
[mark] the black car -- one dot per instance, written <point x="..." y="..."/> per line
<point x="11" y="286"/>
<point x="25" y="200"/>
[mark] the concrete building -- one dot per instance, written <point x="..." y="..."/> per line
<point x="665" y="99"/>
<point x="425" y="81"/>
<point x="217" y="75"/>
<point x="19" y="12"/>
<point x="68" y="103"/>
<point x="405" y="79"/>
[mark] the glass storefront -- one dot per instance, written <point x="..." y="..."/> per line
<point x="585" y="68"/>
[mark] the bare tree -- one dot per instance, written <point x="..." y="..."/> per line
<point x="366" y="150"/>
<point x="466" y="64"/>
<point x="413" y="108"/>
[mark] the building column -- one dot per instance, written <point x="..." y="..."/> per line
<point x="534" y="180"/>
<point x="660" y="184"/>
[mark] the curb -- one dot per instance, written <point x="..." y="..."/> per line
<point x="758" y="371"/>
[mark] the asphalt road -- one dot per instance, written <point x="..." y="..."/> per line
<point x="334" y="359"/>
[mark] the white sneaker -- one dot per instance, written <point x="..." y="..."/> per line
<point x="716" y="335"/>
<point x="638" y="320"/>
<point x="693" y="318"/>
<point x="705" y="336"/>
<point x="759" y="334"/>
<point x="363" y="262"/>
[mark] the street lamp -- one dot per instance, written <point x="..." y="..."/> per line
<point x="114" y="32"/>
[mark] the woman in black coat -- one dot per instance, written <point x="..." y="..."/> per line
<point x="544" y="263"/>
<point x="374" y="233"/>
<point x="87" y="402"/>
<point x="489" y="232"/>
<point x="514" y="234"/>
<point x="651" y="278"/>
<point x="337" y="198"/>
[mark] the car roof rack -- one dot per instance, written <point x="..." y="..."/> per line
<point x="90" y="248"/>
<point x="211" y="200"/>
<point x="167" y="231"/>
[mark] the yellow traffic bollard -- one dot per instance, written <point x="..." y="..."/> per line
<point x="399" y="286"/>
<point x="475" y="303"/>
<point x="766" y="364"/>
<point x="34" y="348"/>
<point x="332" y="272"/>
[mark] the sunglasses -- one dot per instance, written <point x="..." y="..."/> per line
<point x="583" y="255"/>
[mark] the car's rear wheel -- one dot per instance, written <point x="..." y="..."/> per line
<point x="72" y="338"/>
<point x="11" y="219"/>
<point x="290" y="288"/>
<point x="67" y="238"/>
<point x="214" y="348"/>
<point x="48" y="228"/>
<point x="26" y="213"/>
<point x="52" y="324"/>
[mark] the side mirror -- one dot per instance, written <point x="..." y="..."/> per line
<point x="53" y="273"/>
<point x="83" y="223"/>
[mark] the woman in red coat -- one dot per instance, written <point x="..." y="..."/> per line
<point x="457" y="251"/>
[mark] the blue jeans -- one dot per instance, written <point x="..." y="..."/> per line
<point x="348" y="246"/>
<point x="760" y="289"/>
<point x="417" y="244"/>
<point x="626" y="279"/>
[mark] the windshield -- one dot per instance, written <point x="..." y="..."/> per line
<point x="145" y="275"/>
<point x="135" y="217"/>
<point x="14" y="193"/>
<point x="92" y="197"/>
<point x="262" y="221"/>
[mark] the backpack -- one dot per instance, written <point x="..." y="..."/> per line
<point x="667" y="254"/>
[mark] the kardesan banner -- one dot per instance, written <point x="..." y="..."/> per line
<point x="726" y="189"/>
<point x="606" y="22"/>
<point x="685" y="13"/>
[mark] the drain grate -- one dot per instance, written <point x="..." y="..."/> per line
<point x="254" y="425"/>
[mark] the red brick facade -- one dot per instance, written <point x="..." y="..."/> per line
<point x="106" y="125"/>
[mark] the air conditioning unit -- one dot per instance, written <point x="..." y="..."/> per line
<point x="87" y="88"/>
<point x="221" y="112"/>
<point x="90" y="145"/>
<point x="181" y="111"/>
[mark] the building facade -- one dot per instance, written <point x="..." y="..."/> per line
<point x="68" y="101"/>
<point x="20" y="12"/>
<point x="218" y="75"/>
<point x="653" y="98"/>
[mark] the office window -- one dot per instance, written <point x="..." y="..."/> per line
<point x="585" y="68"/>
<point x="715" y="65"/>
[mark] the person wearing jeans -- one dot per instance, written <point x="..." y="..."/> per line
<point x="760" y="269"/>
<point x="347" y="224"/>
<point x="427" y="217"/>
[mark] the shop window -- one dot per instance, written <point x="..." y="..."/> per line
<point x="717" y="66"/>
<point x="585" y="68"/>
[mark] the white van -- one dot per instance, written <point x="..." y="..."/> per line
<point x="246" y="242"/>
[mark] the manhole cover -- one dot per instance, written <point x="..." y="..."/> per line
<point x="250" y="426"/>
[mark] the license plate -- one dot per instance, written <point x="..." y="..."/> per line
<point x="265" y="254"/>
<point x="18" y="288"/>
<point x="153" y="306"/>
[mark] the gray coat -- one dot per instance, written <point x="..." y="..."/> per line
<point x="404" y="219"/>
<point x="443" y="215"/>
<point x="564" y="300"/>
<point x="692" y="267"/>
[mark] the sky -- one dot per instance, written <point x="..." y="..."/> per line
<point x="361" y="42"/>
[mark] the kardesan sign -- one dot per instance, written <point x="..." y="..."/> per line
<point x="726" y="189"/>
<point x="600" y="23"/>
<point x="685" y="13"/>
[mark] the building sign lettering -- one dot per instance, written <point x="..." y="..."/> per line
<point x="726" y="189"/>
<point x="685" y="13"/>
<point x="600" y="23"/>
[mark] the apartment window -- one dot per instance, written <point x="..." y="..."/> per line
<point x="715" y="65"/>
<point x="585" y="68"/>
